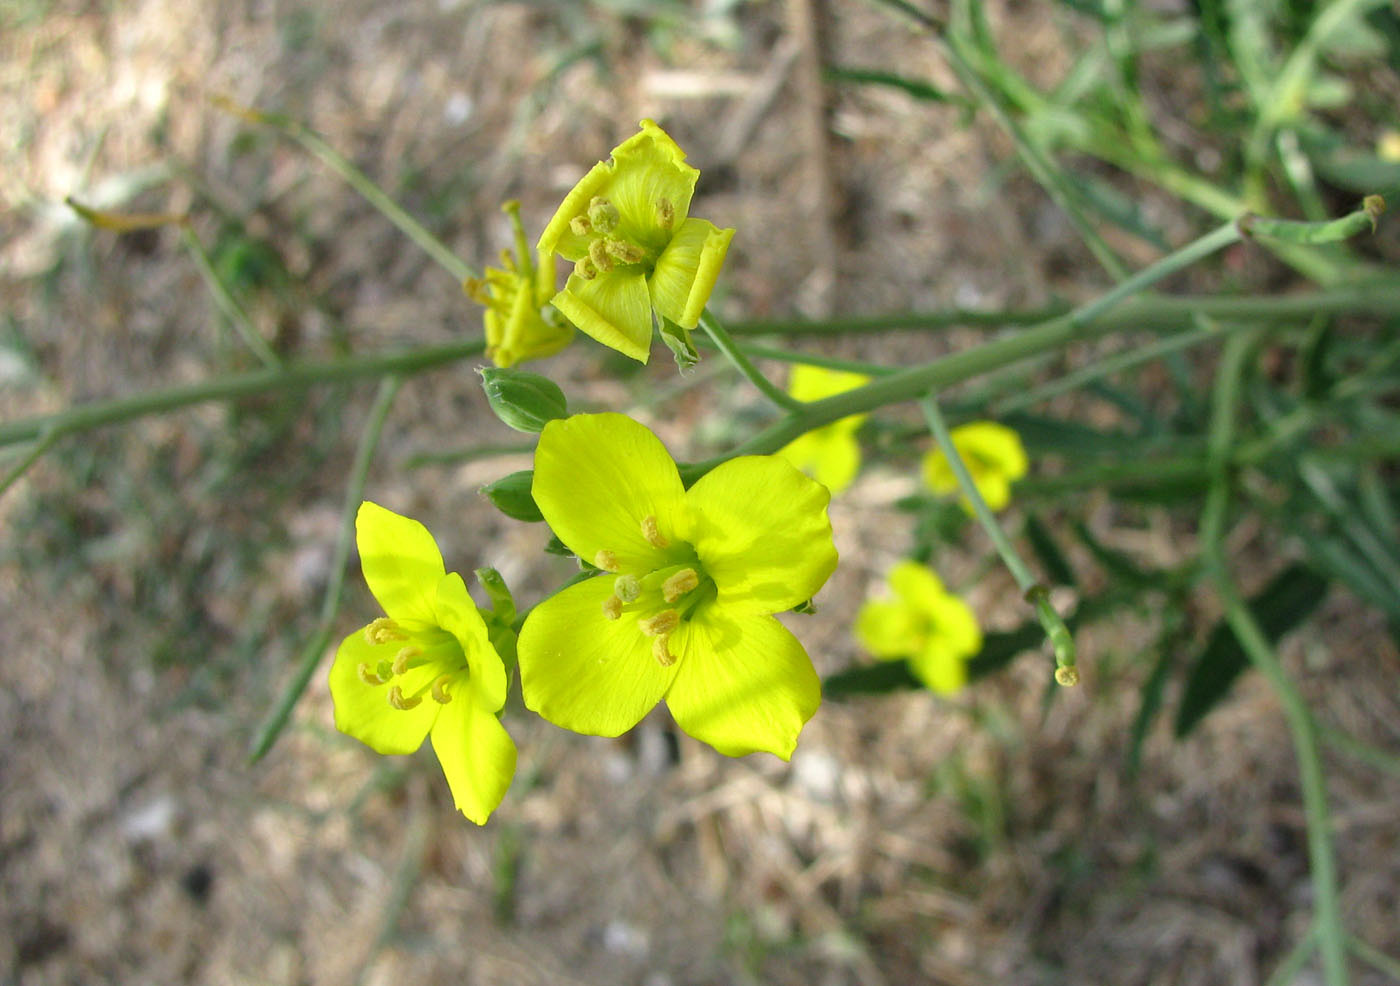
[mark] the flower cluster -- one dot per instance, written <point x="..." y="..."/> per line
<point x="993" y="455"/>
<point x="925" y="624"/>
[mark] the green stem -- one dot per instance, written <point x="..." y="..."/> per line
<point x="1288" y="968"/>
<point x="315" y="649"/>
<point x="726" y="345"/>
<point x="1040" y="166"/>
<point x="1035" y="593"/>
<point x="357" y="180"/>
<point x="225" y="302"/>
<point x="1152" y="312"/>
<point x="290" y="377"/>
<point x="1331" y="935"/>
<point x="32" y="455"/>
<point x="1375" y="958"/>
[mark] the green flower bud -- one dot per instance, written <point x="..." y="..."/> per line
<point x="525" y="401"/>
<point x="511" y="496"/>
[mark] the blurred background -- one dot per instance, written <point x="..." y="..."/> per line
<point x="159" y="578"/>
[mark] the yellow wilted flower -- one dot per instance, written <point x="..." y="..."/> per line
<point x="520" y="324"/>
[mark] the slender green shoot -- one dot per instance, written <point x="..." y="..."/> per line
<point x="726" y="345"/>
<point x="1330" y="933"/>
<point x="357" y="180"/>
<point x="225" y="302"/>
<point x="1036" y="594"/>
<point x="315" y="648"/>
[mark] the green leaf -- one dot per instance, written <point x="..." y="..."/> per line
<point x="1151" y="701"/>
<point x="1288" y="600"/>
<point x="914" y="87"/>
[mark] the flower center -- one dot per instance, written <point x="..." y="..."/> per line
<point x="661" y="599"/>
<point x="417" y="663"/>
<point x="608" y="247"/>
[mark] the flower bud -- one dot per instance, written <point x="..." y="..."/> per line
<point x="511" y="496"/>
<point x="524" y="401"/>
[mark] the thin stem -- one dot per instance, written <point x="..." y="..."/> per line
<point x="1330" y="933"/>
<point x="357" y="180"/>
<point x="291" y="377"/>
<point x="1151" y="312"/>
<point x="226" y="303"/>
<point x="32" y="455"/>
<point x="1288" y="968"/>
<point x="1040" y="166"/>
<point x="1367" y="754"/>
<point x="726" y="345"/>
<point x="315" y="649"/>
<point x="1055" y="629"/>
<point x="1374" y="957"/>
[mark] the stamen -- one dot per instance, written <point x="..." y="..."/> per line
<point x="665" y="213"/>
<point x="368" y="676"/>
<point x="661" y="624"/>
<point x="603" y="215"/>
<point x="580" y="226"/>
<point x="606" y="560"/>
<point x="662" y="652"/>
<point x="402" y="658"/>
<point x="598" y="253"/>
<point x="440" y="695"/>
<point x="397" y="700"/>
<point x="612" y="607"/>
<point x="627" y="588"/>
<point x="679" y="584"/>
<point x="384" y="631"/>
<point x="622" y="251"/>
<point x="652" y="533"/>
<point x="585" y="269"/>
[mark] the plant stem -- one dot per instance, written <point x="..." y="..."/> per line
<point x="357" y="180"/>
<point x="1330" y="933"/>
<point x="726" y="345"/>
<point x="290" y="377"/>
<point x="1055" y="629"/>
<point x="1151" y="312"/>
<point x="226" y="303"/>
<point x="42" y="444"/>
<point x="315" y="649"/>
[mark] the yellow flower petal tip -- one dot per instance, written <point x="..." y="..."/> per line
<point x="683" y="610"/>
<point x="933" y="629"/>
<point x="520" y="322"/>
<point x="637" y="253"/>
<point x="829" y="454"/>
<point x="425" y="668"/>
<point x="993" y="455"/>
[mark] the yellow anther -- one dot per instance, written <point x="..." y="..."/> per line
<point x="368" y="676"/>
<point x="606" y="560"/>
<point x="384" y="631"/>
<point x="580" y="226"/>
<point x="603" y="215"/>
<point x="612" y="607"/>
<point x="665" y="213"/>
<point x="627" y="588"/>
<point x="662" y="652"/>
<point x="653" y="533"/>
<point x="679" y="584"/>
<point x="440" y="695"/>
<point x="598" y="254"/>
<point x="585" y="269"/>
<point x="621" y="250"/>
<point x="397" y="700"/>
<point x="660" y="624"/>
<point x="1066" y="676"/>
<point x="402" y="658"/>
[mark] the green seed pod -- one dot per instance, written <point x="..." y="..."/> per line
<point x="511" y="496"/>
<point x="525" y="401"/>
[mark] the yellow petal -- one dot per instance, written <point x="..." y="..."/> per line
<point x="363" y="711"/>
<point x="745" y="684"/>
<point x="585" y="672"/>
<point x="477" y="757"/>
<point x="687" y="270"/>
<point x="401" y="562"/>
<point x="613" y="308"/>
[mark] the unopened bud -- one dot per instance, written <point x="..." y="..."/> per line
<point x="523" y="400"/>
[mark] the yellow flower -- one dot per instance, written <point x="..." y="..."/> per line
<point x="425" y="668"/>
<point x="829" y="454"/>
<point x="636" y="250"/>
<point x="993" y="455"/>
<point x="683" y="608"/>
<point x="520" y="323"/>
<point x="925" y="624"/>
